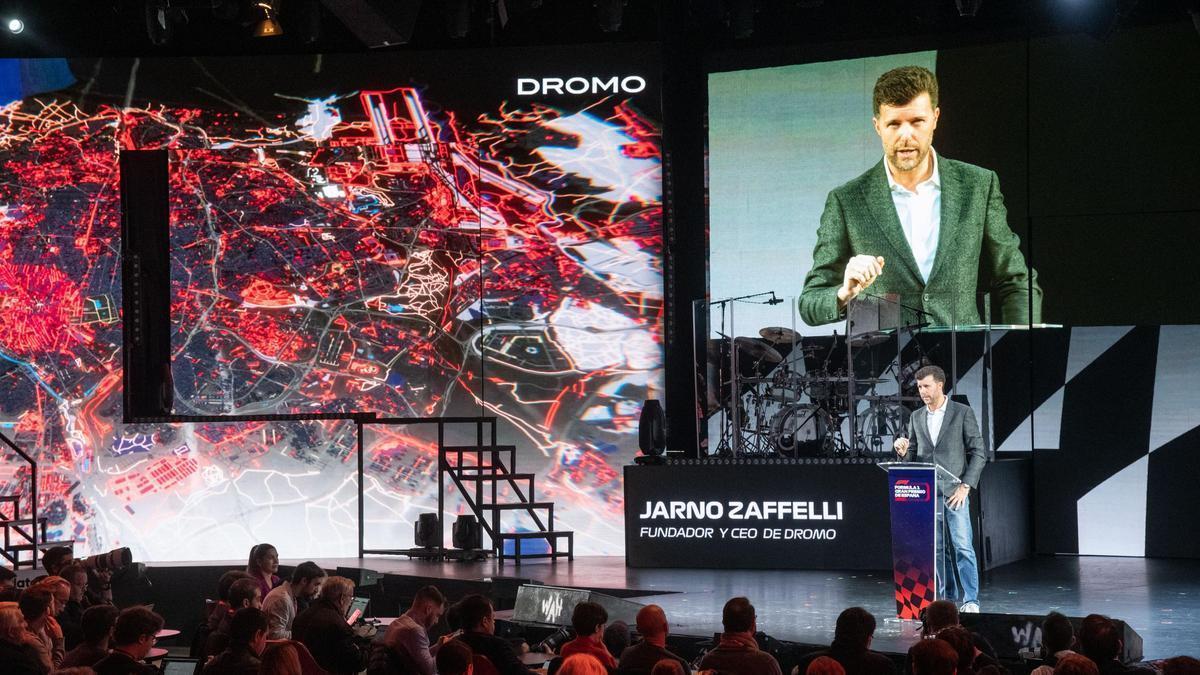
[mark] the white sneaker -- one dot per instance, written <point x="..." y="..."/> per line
<point x="969" y="608"/>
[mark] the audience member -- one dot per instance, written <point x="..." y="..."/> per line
<point x="8" y="587"/>
<point x="221" y="608"/>
<point x="737" y="653"/>
<point x="1058" y="637"/>
<point x="616" y="638"/>
<point x="970" y="659"/>
<point x="70" y="613"/>
<point x="262" y="566"/>
<point x="824" y="665"/>
<point x="1075" y="664"/>
<point x="243" y="593"/>
<point x="669" y="667"/>
<point x="1181" y="665"/>
<point x="281" y="658"/>
<point x="582" y="663"/>
<point x="97" y="627"/>
<point x="588" y="620"/>
<point x="1100" y="641"/>
<point x="938" y="615"/>
<point x="408" y="637"/>
<point x="133" y="637"/>
<point x="478" y="623"/>
<point x="57" y="557"/>
<point x="934" y="657"/>
<point x="324" y="630"/>
<point x="247" y="639"/>
<point x="20" y="651"/>
<point x="455" y="658"/>
<point x="280" y="604"/>
<point x="36" y="605"/>
<point x="644" y="656"/>
<point x="851" y="646"/>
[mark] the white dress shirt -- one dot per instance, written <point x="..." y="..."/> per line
<point x="933" y="419"/>
<point x="920" y="215"/>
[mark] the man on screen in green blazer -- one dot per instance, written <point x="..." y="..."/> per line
<point x="932" y="230"/>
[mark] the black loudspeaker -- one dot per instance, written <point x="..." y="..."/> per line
<point x="425" y="530"/>
<point x="146" y="284"/>
<point x="554" y="605"/>
<point x="362" y="578"/>
<point x="466" y="534"/>
<point x="1011" y="633"/>
<point x="652" y="429"/>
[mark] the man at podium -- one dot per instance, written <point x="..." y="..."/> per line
<point x="945" y="433"/>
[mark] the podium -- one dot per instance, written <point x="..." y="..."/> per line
<point x="915" y="511"/>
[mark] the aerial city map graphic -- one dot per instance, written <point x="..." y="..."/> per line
<point x="355" y="253"/>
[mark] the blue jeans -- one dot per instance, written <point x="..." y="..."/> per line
<point x="960" y="555"/>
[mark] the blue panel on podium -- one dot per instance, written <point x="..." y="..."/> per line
<point x="913" y="496"/>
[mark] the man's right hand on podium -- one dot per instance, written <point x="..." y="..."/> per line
<point x="901" y="446"/>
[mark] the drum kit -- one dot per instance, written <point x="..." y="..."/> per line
<point x="785" y="409"/>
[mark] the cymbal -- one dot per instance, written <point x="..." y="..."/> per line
<point x="757" y="349"/>
<point x="778" y="334"/>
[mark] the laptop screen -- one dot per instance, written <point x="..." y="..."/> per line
<point x="358" y="609"/>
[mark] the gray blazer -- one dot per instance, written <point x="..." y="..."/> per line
<point x="959" y="448"/>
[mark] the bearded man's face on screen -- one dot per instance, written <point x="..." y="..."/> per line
<point x="907" y="132"/>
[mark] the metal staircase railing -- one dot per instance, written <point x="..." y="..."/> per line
<point x="24" y="535"/>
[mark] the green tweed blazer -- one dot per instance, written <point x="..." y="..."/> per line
<point x="977" y="251"/>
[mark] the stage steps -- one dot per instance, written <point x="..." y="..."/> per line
<point x="479" y="472"/>
<point x="24" y="537"/>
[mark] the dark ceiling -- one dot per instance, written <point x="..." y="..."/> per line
<point x="118" y="27"/>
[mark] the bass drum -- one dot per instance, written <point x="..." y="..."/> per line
<point x="801" y="430"/>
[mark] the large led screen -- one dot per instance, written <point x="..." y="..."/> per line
<point x="416" y="236"/>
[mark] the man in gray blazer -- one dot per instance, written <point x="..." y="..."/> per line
<point x="945" y="433"/>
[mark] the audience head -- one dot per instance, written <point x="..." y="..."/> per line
<point x="245" y="593"/>
<point x="59" y="590"/>
<point x="135" y="631"/>
<point x="226" y="582"/>
<point x="281" y="658"/>
<point x="98" y="622"/>
<point x="667" y="667"/>
<point x="12" y="623"/>
<point x="960" y="639"/>
<point x="823" y="665"/>
<point x="738" y="616"/>
<point x="1099" y="639"/>
<point x="582" y="664"/>
<point x="938" y="615"/>
<point x="1057" y="634"/>
<point x="652" y="622"/>
<point x="35" y="606"/>
<point x="1181" y="665"/>
<point x="55" y="558"/>
<point x="616" y="638"/>
<point x="264" y="560"/>
<point x="307" y="579"/>
<point x="338" y="591"/>
<point x="428" y="605"/>
<point x="77" y="576"/>
<point x="475" y="614"/>
<point x="855" y="628"/>
<point x="1076" y="664"/>
<point x="588" y="619"/>
<point x="934" y="657"/>
<point x="249" y="629"/>
<point x="454" y="658"/>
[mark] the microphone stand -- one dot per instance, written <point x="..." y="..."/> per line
<point x="734" y="389"/>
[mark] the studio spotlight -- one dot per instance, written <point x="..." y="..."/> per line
<point x="268" y="21"/>
<point x="968" y="7"/>
<point x="610" y="14"/>
<point x="466" y="533"/>
<point x="15" y="26"/>
<point x="652" y="434"/>
<point x="425" y="528"/>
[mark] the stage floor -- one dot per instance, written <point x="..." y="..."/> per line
<point x="1159" y="598"/>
